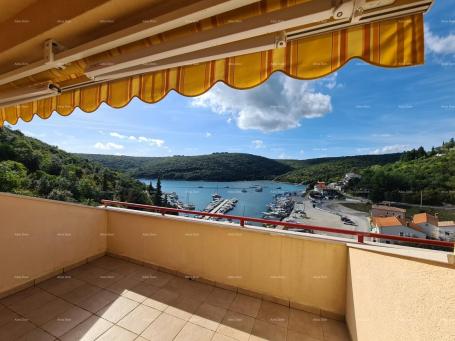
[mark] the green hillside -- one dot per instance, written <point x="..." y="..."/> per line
<point x="31" y="167"/>
<point x="430" y="174"/>
<point x="331" y="169"/>
<point x="216" y="166"/>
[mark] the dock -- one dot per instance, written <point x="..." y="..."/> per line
<point x="222" y="207"/>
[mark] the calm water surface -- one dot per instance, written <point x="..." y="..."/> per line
<point x="250" y="204"/>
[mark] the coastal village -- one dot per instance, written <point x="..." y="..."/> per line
<point x="324" y="205"/>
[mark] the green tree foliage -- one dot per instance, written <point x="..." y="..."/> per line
<point x="217" y="166"/>
<point x="418" y="173"/>
<point x="332" y="169"/>
<point x="158" y="196"/>
<point x="13" y="176"/>
<point x="29" y="166"/>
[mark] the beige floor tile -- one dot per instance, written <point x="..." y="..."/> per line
<point x="221" y="337"/>
<point x="192" y="332"/>
<point x="267" y="331"/>
<point x="80" y="294"/>
<point x="99" y="300"/>
<point x="221" y="298"/>
<point x="117" y="333"/>
<point x="183" y="308"/>
<point x="106" y="262"/>
<point x="32" y="302"/>
<point x="274" y="313"/>
<point x="48" y="311"/>
<point x="305" y="323"/>
<point x="88" y="330"/>
<point x="237" y="326"/>
<point x="208" y="316"/>
<point x="6" y="315"/>
<point x="246" y="305"/>
<point x="335" y="330"/>
<point x="161" y="299"/>
<point x="196" y="291"/>
<point x="120" y="266"/>
<point x="140" y="292"/>
<point x="139" y="319"/>
<point x="158" y="278"/>
<point x="104" y="278"/>
<point x="164" y="328"/>
<point x="19" y="296"/>
<point x="124" y="284"/>
<point x="15" y="329"/>
<point x="37" y="334"/>
<point x="61" y="284"/>
<point x="63" y="322"/>
<point x="296" y="336"/>
<point x="116" y="310"/>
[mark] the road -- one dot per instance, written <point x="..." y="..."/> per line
<point x="328" y="214"/>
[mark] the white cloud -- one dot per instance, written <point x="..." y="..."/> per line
<point x="117" y="135"/>
<point x="439" y="44"/>
<point x="258" y="144"/>
<point x="279" y="104"/>
<point x="207" y="134"/>
<point x="140" y="139"/>
<point x="302" y="152"/>
<point x="396" y="148"/>
<point x="108" y="146"/>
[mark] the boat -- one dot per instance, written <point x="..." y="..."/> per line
<point x="216" y="196"/>
<point x="258" y="189"/>
<point x="244" y="190"/>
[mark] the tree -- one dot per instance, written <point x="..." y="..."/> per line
<point x="12" y="176"/>
<point x="157" y="199"/>
<point x="150" y="188"/>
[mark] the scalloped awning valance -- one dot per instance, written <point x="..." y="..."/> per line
<point x="395" y="42"/>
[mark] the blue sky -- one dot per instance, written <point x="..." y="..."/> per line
<point x="362" y="109"/>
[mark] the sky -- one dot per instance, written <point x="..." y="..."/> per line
<point x="361" y="109"/>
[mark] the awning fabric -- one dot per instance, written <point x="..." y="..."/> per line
<point x="393" y="43"/>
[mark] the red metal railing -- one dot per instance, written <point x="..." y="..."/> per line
<point x="360" y="235"/>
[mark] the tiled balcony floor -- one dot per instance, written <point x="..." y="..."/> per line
<point x="111" y="299"/>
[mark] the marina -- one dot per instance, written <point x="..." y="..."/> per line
<point x="252" y="197"/>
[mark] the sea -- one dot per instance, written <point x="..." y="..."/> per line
<point x="250" y="203"/>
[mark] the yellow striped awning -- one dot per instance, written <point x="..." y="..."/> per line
<point x="393" y="43"/>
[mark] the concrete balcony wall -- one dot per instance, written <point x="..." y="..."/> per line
<point x="393" y="297"/>
<point x="308" y="272"/>
<point x="41" y="237"/>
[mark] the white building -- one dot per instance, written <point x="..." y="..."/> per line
<point x="428" y="223"/>
<point x="395" y="227"/>
<point x="446" y="230"/>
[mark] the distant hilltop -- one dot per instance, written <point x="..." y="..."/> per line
<point x="239" y="166"/>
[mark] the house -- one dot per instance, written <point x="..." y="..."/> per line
<point x="388" y="211"/>
<point x="395" y="227"/>
<point x="446" y="230"/>
<point x="428" y="223"/>
<point x="320" y="187"/>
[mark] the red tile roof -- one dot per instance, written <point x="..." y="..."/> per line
<point x="425" y="218"/>
<point x="387" y="221"/>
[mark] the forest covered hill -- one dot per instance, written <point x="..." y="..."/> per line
<point x="419" y="174"/>
<point x="31" y="167"/>
<point x="216" y="166"/>
<point x="331" y="169"/>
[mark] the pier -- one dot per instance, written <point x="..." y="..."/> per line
<point x="222" y="206"/>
